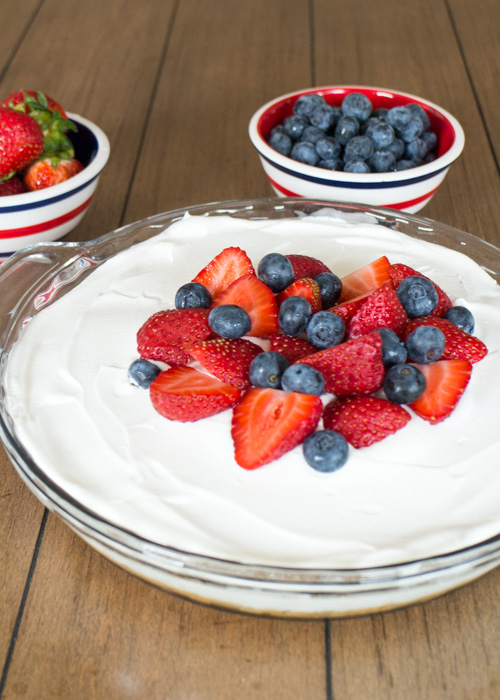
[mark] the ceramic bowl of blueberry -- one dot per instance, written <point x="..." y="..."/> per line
<point x="357" y="144"/>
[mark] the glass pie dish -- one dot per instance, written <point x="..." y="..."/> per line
<point x="36" y="277"/>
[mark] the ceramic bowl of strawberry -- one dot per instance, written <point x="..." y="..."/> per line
<point x="384" y="182"/>
<point x="49" y="214"/>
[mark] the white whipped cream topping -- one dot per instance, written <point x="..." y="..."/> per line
<point x="426" y="490"/>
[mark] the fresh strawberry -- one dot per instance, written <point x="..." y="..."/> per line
<point x="293" y="349"/>
<point x="185" y="394"/>
<point x="224" y="269"/>
<point x="11" y="186"/>
<point x="305" y="266"/>
<point x="267" y="423"/>
<point x="380" y="309"/>
<point x="304" y="287"/>
<point x="258" y="301"/>
<point x="347" y="309"/>
<point x="352" y="368"/>
<point x="47" y="172"/>
<point x="227" y="359"/>
<point x="365" y="279"/>
<point x="399" y="272"/>
<point x="21" y="141"/>
<point x="363" y="420"/>
<point x="167" y="335"/>
<point x="446" y="382"/>
<point x="459" y="344"/>
<point x="30" y="100"/>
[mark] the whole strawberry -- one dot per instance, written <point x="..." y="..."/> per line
<point x="13" y="185"/>
<point x="47" y="172"/>
<point x="21" y="141"/>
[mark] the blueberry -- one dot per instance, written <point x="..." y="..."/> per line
<point x="425" y="344"/>
<point x="304" y="152"/>
<point x="281" y="142"/>
<point x="303" y="379"/>
<point x="416" y="149"/>
<point x="328" y="147"/>
<point x="357" y="166"/>
<point x="312" y="134"/>
<point x="461" y="317"/>
<point x="307" y="103"/>
<point x="380" y="113"/>
<point x="294" y="126"/>
<point x="412" y="131"/>
<point x="293" y="315"/>
<point x="276" y="271"/>
<point x="393" y="349"/>
<point x="404" y="383"/>
<point x="364" y="126"/>
<point x="142" y="373"/>
<point x="358" y="148"/>
<point x="397" y="148"/>
<point x="330" y="287"/>
<point x="418" y="111"/>
<point x="325" y="450"/>
<point x="229" y="321"/>
<point x="382" y="134"/>
<point x="325" y="329"/>
<point x="405" y="164"/>
<point x="346" y="129"/>
<point x="193" y="295"/>
<point x="398" y="117"/>
<point x="357" y="105"/>
<point x="418" y="296"/>
<point x="430" y="139"/>
<point x="331" y="164"/>
<point x="382" y="161"/>
<point x="266" y="369"/>
<point x="323" y="116"/>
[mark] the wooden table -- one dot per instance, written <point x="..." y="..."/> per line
<point x="173" y="83"/>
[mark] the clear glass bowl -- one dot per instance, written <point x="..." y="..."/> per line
<point x="34" y="277"/>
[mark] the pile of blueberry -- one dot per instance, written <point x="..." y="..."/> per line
<point x="354" y="137"/>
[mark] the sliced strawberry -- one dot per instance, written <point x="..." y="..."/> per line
<point x="398" y="272"/>
<point x="347" y="309"/>
<point x="267" y="423"/>
<point x="459" y="344"/>
<point x="306" y="266"/>
<point x="365" y="279"/>
<point x="167" y="335"/>
<point x="446" y="382"/>
<point x="258" y="301"/>
<point x="224" y="269"/>
<point x="352" y="368"/>
<point x="363" y="420"/>
<point x="185" y="394"/>
<point x="227" y="359"/>
<point x="293" y="349"/>
<point x="304" y="287"/>
<point x="380" y="309"/>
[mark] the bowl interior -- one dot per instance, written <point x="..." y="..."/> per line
<point x="84" y="142"/>
<point x="282" y="108"/>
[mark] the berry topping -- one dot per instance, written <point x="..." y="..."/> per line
<point x="294" y="313"/>
<point x="330" y="288"/>
<point x="193" y="295"/>
<point x="394" y="351"/>
<point x="266" y="370"/>
<point x="227" y="359"/>
<point x="185" y="394"/>
<point x="229" y="321"/>
<point x="225" y="268"/>
<point x="351" y="368"/>
<point x="381" y="309"/>
<point x="425" y="344"/>
<point x="304" y="379"/>
<point x="306" y="266"/>
<point x="167" y="335"/>
<point x="398" y="272"/>
<point x="258" y="301"/>
<point x="267" y="423"/>
<point x="418" y="296"/>
<point x="461" y="317"/>
<point x="304" y="287"/>
<point x="292" y="348"/>
<point x="446" y="382"/>
<point x="459" y="345"/>
<point x="325" y="329"/>
<point x="403" y="383"/>
<point x="364" y="420"/>
<point x="325" y="450"/>
<point x="365" y="279"/>
<point x="142" y="373"/>
<point x="276" y="271"/>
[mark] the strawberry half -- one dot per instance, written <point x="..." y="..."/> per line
<point x="365" y="279"/>
<point x="185" y="394"/>
<point x="224" y="269"/>
<point x="364" y="420"/>
<point x="227" y="359"/>
<point x="293" y="349"/>
<point x="167" y="335"/>
<point x="446" y="382"/>
<point x="459" y="344"/>
<point x="306" y="266"/>
<point x="267" y="423"/>
<point x="380" y="309"/>
<point x="352" y="368"/>
<point x="304" y="287"/>
<point x="398" y="272"/>
<point x="258" y="301"/>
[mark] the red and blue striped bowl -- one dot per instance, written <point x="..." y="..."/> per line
<point x="407" y="191"/>
<point x="51" y="213"/>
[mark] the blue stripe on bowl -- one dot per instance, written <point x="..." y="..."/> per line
<point x="46" y="202"/>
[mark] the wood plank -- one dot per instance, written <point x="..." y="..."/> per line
<point x="15" y="20"/>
